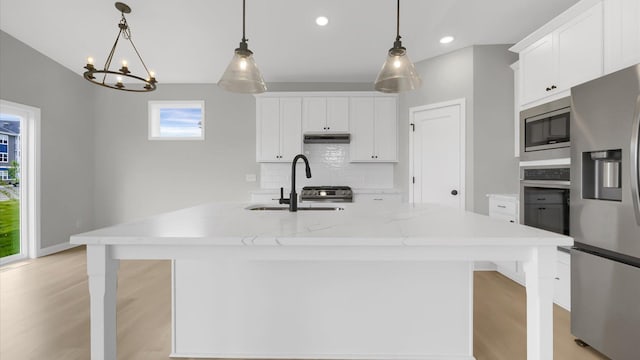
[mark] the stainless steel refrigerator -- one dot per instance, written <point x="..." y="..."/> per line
<point x="605" y="214"/>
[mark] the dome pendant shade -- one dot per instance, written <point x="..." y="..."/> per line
<point x="242" y="75"/>
<point x="398" y="73"/>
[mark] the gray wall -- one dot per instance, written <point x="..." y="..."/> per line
<point x="66" y="163"/>
<point x="136" y="177"/>
<point x="495" y="168"/>
<point x="480" y="74"/>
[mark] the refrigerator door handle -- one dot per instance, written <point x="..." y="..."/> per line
<point x="635" y="158"/>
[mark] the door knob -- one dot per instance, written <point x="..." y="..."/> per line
<point x="454" y="192"/>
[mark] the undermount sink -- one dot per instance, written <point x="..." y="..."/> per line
<point x="300" y="208"/>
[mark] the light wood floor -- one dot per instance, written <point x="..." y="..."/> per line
<point x="44" y="313"/>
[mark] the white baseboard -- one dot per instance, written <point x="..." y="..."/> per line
<point x="324" y="356"/>
<point x="55" y="249"/>
<point x="484" y="266"/>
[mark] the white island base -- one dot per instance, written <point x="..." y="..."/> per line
<point x="323" y="309"/>
<point x="372" y="281"/>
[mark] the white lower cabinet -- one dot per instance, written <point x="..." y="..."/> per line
<point x="562" y="284"/>
<point x="505" y="207"/>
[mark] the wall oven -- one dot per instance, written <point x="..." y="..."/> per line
<point x="544" y="198"/>
<point x="544" y="131"/>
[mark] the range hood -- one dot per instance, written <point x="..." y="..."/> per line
<point x="327" y="138"/>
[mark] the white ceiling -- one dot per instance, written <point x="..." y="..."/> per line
<point x="192" y="41"/>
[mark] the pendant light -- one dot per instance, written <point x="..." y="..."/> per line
<point x="242" y="74"/>
<point x="398" y="73"/>
<point x="106" y="76"/>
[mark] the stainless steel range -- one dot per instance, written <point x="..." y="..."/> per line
<point x="326" y="193"/>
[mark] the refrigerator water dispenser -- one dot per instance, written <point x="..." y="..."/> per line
<point x="601" y="173"/>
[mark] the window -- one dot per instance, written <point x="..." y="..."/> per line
<point x="176" y="120"/>
<point x="4" y="157"/>
<point x="4" y="139"/>
<point x="4" y="175"/>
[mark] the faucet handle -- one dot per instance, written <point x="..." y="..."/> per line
<point x="282" y="200"/>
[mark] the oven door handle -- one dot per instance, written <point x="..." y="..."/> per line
<point x="547" y="183"/>
<point x="635" y="158"/>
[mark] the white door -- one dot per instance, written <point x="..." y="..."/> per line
<point x="19" y="195"/>
<point x="437" y="141"/>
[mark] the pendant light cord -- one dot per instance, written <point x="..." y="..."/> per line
<point x="397" y="22"/>
<point x="244" y="39"/>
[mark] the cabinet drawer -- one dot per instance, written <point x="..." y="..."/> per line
<point x="507" y="217"/>
<point x="502" y="207"/>
<point x="393" y="198"/>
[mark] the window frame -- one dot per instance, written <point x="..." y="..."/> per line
<point x="154" y="108"/>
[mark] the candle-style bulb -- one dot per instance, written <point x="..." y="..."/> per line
<point x="124" y="63"/>
<point x="90" y="60"/>
<point x="119" y="79"/>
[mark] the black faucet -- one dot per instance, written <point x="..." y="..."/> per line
<point x="293" y="196"/>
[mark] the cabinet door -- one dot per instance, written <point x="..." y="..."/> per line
<point x="621" y="34"/>
<point x="385" y="129"/>
<point x="361" y="125"/>
<point x="579" y="49"/>
<point x="290" y="128"/>
<point x="268" y="130"/>
<point x="536" y="70"/>
<point x="314" y="114"/>
<point x="338" y="114"/>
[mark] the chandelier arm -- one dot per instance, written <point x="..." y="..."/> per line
<point x="110" y="57"/>
<point x="140" y="57"/>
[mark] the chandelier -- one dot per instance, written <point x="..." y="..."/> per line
<point x="105" y="76"/>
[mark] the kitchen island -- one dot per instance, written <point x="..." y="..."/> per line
<point x="367" y="281"/>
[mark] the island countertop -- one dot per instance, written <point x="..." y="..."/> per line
<point x="363" y="249"/>
<point x="231" y="224"/>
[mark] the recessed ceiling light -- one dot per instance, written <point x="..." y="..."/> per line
<point x="322" y="20"/>
<point x="446" y="39"/>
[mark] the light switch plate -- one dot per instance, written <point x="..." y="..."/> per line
<point x="251" y="178"/>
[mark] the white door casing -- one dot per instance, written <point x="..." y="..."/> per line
<point x="437" y="153"/>
<point x="30" y="180"/>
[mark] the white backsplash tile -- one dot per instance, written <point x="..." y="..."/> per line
<point x="329" y="166"/>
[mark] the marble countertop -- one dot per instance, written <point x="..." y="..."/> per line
<point x="231" y="224"/>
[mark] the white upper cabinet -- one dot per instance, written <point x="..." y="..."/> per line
<point x="374" y="124"/>
<point x="325" y="114"/>
<point x="278" y="128"/>
<point x="338" y="114"/>
<point x="567" y="56"/>
<point x="621" y="34"/>
<point x="579" y="48"/>
<point x="537" y="69"/>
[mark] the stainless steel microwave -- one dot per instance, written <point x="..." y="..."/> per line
<point x="545" y="130"/>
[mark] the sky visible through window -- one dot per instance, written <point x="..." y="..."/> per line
<point x="8" y="117"/>
<point x="181" y="122"/>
